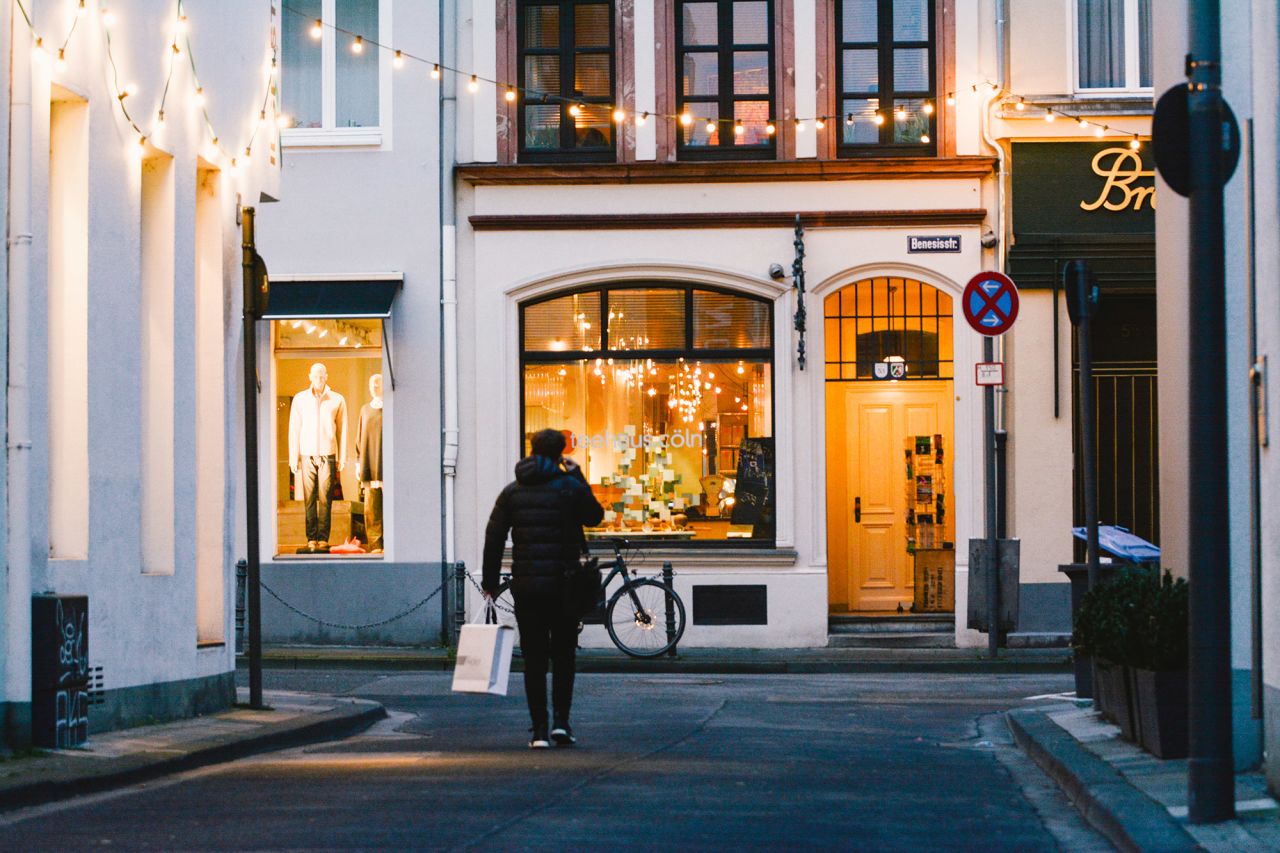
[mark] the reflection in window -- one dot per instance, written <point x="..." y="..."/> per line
<point x="675" y="441"/>
<point x="566" y="79"/>
<point x="329" y="470"/>
<point x="356" y="80"/>
<point x="725" y="71"/>
<point x="885" y="75"/>
<point x="328" y="79"/>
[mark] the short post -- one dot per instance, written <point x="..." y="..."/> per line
<point x="242" y="576"/>
<point x="459" y="599"/>
<point x="668" y="581"/>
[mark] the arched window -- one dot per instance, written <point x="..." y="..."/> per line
<point x="887" y="321"/>
<point x="665" y="394"/>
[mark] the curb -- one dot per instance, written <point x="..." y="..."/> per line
<point x="618" y="664"/>
<point x="1127" y="817"/>
<point x="131" y="769"/>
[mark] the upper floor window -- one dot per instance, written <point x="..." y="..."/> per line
<point x="330" y="77"/>
<point x="1113" y="39"/>
<point x="566" y="76"/>
<point x="725" y="74"/>
<point x="885" y="73"/>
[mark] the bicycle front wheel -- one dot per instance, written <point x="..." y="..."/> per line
<point x="637" y="618"/>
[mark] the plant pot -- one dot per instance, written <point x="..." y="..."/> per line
<point x="1115" y="697"/>
<point x="1162" y="702"/>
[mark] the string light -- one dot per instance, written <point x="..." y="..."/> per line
<point x="283" y="121"/>
<point x="511" y="94"/>
<point x="1099" y="131"/>
<point x="619" y="115"/>
<point x="1020" y="105"/>
<point x="1082" y="122"/>
<point x="80" y="8"/>
<point x="398" y="60"/>
<point x="799" y="126"/>
<point x="685" y="118"/>
<point x="819" y="123"/>
<point x="711" y="128"/>
<point x="317" y="29"/>
<point x="951" y="99"/>
<point x="901" y="114"/>
<point x="108" y="17"/>
<point x="879" y="119"/>
<point x="1135" y="143"/>
<point x="574" y="109"/>
<point x="357" y="45"/>
<point x="60" y="64"/>
<point x="176" y="50"/>
<point x="924" y="137"/>
<point x="435" y="72"/>
<point x="738" y="129"/>
<point x="927" y="109"/>
<point x="641" y="119"/>
<point x="849" y="119"/>
<point x="182" y="24"/>
<point x="1048" y="114"/>
<point x="474" y="85"/>
<point x="199" y="96"/>
<point x="770" y="128"/>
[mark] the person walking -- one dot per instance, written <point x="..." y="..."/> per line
<point x="544" y="510"/>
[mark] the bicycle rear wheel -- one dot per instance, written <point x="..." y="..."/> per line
<point x="637" y="618"/>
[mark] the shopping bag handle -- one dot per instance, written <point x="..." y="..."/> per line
<point x="490" y="612"/>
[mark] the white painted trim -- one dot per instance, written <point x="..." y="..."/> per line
<point x="647" y="271"/>
<point x="338" y="276"/>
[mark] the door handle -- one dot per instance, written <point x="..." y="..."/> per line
<point x="857" y="510"/>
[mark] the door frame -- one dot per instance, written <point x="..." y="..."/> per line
<point x="966" y="417"/>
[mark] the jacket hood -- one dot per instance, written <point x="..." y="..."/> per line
<point x="535" y="470"/>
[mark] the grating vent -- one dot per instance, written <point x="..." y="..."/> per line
<point x="731" y="605"/>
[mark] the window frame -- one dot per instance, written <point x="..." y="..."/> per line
<point x="725" y="149"/>
<point x="1132" y="55"/>
<point x="884" y="47"/>
<point x="329" y="135"/>
<point x="567" y="51"/>
<point x="761" y="354"/>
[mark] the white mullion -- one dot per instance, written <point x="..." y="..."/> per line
<point x="329" y="66"/>
<point x="1132" y="52"/>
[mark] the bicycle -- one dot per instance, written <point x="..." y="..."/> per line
<point x="644" y="617"/>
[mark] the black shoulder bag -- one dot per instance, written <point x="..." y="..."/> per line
<point x="583" y="581"/>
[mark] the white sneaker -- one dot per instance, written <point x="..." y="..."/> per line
<point x="563" y="735"/>
<point x="539" y="740"/>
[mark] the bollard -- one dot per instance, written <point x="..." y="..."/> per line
<point x="242" y="576"/>
<point x="459" y="599"/>
<point x="667" y="576"/>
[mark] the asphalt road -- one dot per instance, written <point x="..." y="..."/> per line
<point x="859" y="762"/>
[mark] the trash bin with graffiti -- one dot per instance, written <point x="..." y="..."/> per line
<point x="60" y="677"/>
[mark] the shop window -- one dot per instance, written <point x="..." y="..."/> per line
<point x="881" y="322"/>
<point x="885" y="72"/>
<point x="329" y="81"/>
<point x="329" y="465"/>
<point x="1113" y="44"/>
<point x="565" y="79"/>
<point x="671" y="414"/>
<point x="724" y="78"/>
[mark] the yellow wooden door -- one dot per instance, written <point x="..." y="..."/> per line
<point x="868" y="423"/>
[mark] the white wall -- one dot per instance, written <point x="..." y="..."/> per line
<point x="142" y="627"/>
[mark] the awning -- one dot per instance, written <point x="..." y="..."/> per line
<point x="332" y="295"/>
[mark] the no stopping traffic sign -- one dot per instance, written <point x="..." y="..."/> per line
<point x="990" y="303"/>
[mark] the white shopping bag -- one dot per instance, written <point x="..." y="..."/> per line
<point x="484" y="655"/>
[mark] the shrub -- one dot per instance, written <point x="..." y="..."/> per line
<point x="1138" y="619"/>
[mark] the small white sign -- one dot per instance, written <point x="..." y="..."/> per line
<point x="989" y="372"/>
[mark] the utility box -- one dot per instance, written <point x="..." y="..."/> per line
<point x="1009" y="550"/>
<point x="60" y="677"/>
<point x="935" y="580"/>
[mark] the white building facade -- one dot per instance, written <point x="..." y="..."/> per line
<point x="135" y="134"/>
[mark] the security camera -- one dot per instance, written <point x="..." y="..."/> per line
<point x="776" y="272"/>
<point x="989" y="239"/>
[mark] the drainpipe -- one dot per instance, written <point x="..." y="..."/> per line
<point x="18" y="445"/>
<point x="1000" y="223"/>
<point x="446" y="106"/>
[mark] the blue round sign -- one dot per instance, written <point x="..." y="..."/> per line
<point x="990" y="303"/>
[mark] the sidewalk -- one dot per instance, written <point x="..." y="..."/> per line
<point x="1138" y="801"/>
<point x="699" y="661"/>
<point x="125" y="757"/>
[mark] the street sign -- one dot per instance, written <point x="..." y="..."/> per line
<point x="990" y="303"/>
<point x="944" y="243"/>
<point x="989" y="372"/>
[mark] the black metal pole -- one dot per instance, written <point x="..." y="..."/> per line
<point x="668" y="580"/>
<point x="1002" y="483"/>
<point x="1210" y="779"/>
<point x="989" y="470"/>
<point x="253" y="577"/>
<point x="1088" y="417"/>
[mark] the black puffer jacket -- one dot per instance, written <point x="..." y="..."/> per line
<point x="545" y="510"/>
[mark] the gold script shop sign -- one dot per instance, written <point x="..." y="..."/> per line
<point x="1126" y="185"/>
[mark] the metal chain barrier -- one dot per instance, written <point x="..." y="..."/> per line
<point x="480" y="590"/>
<point x="329" y="624"/>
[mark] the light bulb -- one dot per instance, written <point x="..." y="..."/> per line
<point x="951" y="99"/>
<point x="927" y="108"/>
<point x="357" y="46"/>
<point x="641" y="119"/>
<point x="176" y="50"/>
<point x="435" y="72"/>
<point x="511" y="94"/>
<point x="1135" y="143"/>
<point x="686" y="119"/>
<point x="283" y="121"/>
<point x="128" y="91"/>
<point x="160" y="117"/>
<point x="619" y="115"/>
<point x="770" y="129"/>
<point x="80" y="8"/>
<point x="924" y="138"/>
<point x="60" y="64"/>
<point x="901" y="114"/>
<point x="317" y="29"/>
<point x="182" y="24"/>
<point x="574" y="109"/>
<point x="799" y="126"/>
<point x="1082" y="122"/>
<point x="1020" y="105"/>
<point x="473" y="85"/>
<point x="199" y="96"/>
<point x="849" y="120"/>
<point x="819" y="124"/>
<point x="108" y="18"/>
<point x="879" y="119"/>
<point x="738" y="129"/>
<point x="1099" y="131"/>
<point x="398" y="60"/>
<point x="711" y="127"/>
<point x="1049" y="115"/>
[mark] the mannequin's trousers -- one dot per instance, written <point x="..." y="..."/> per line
<point x="317" y="484"/>
<point x="548" y="633"/>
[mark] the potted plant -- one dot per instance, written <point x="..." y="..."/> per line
<point x="1109" y="629"/>
<point x="1159" y="666"/>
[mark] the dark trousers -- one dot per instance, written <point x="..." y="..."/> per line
<point x="548" y="631"/>
<point x="317" y="483"/>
